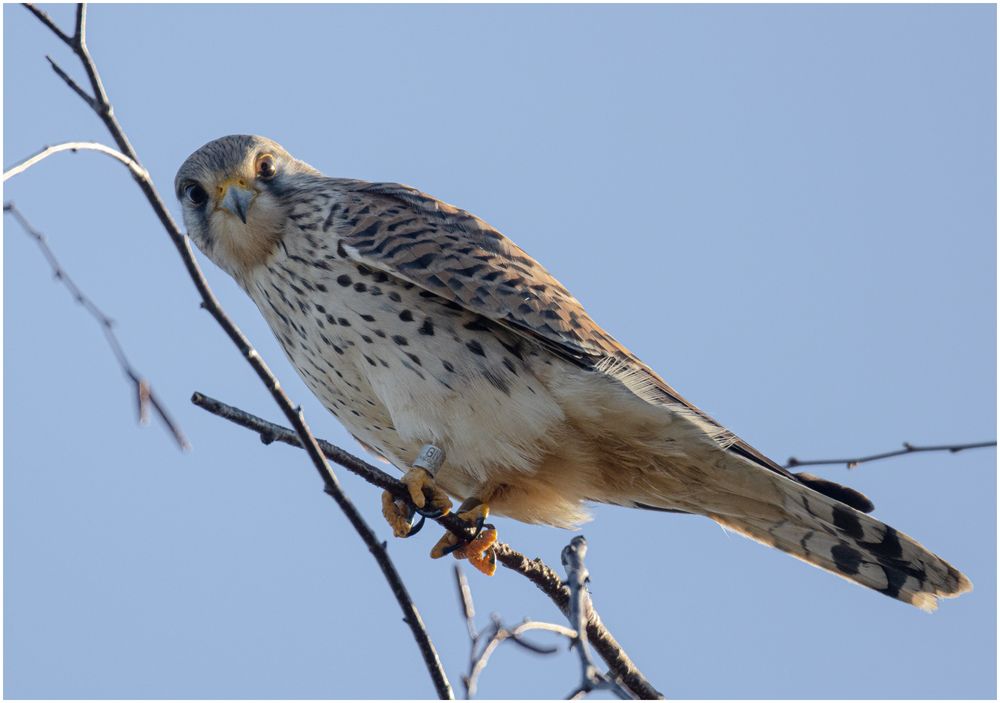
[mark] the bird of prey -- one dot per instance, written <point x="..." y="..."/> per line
<point x="451" y="353"/>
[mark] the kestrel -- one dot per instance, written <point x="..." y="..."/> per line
<point x="447" y="350"/>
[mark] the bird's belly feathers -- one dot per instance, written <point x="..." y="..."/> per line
<point x="400" y="369"/>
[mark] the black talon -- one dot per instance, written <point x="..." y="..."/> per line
<point x="480" y="521"/>
<point x="479" y="528"/>
<point x="448" y="550"/>
<point x="415" y="528"/>
<point x="432" y="514"/>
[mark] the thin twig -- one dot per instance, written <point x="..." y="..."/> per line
<point x="535" y="570"/>
<point x="143" y="391"/>
<point x="47" y="21"/>
<point x="74" y="86"/>
<point x="621" y="665"/>
<point x="496" y="634"/>
<point x="101" y="105"/>
<point x="577" y="578"/>
<point x="907" y="449"/>
<point x="74" y="147"/>
<point x="465" y="598"/>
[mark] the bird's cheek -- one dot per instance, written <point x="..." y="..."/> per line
<point x="265" y="214"/>
<point x="238" y="247"/>
<point x="197" y="228"/>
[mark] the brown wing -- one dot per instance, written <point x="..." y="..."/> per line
<point x="460" y="258"/>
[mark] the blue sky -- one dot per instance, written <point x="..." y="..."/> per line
<point x="788" y="211"/>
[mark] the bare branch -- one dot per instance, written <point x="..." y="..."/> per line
<point x="495" y="635"/>
<point x="548" y="581"/>
<point x="74" y="86"/>
<point x="478" y="663"/>
<point x="270" y="432"/>
<point x="80" y="30"/>
<point x="465" y="597"/>
<point x="498" y="634"/>
<point x="144" y="393"/>
<point x="47" y="21"/>
<point x="527" y="625"/>
<point x="102" y="106"/>
<point x="577" y="577"/>
<point x="907" y="449"/>
<point x="74" y="147"/>
<point x="535" y="570"/>
<point x="99" y="102"/>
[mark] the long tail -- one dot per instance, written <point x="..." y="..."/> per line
<point x="816" y="528"/>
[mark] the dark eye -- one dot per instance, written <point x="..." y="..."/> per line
<point x="195" y="193"/>
<point x="265" y="167"/>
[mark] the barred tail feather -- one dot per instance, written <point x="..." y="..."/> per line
<point x="833" y="536"/>
<point x="907" y="581"/>
<point x="783" y="512"/>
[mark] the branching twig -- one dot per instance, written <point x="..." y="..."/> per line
<point x="48" y="151"/>
<point x="101" y="105"/>
<point x="143" y="391"/>
<point x="535" y="570"/>
<point x="907" y="449"/>
<point x="577" y="577"/>
<point x="495" y="635"/>
<point x="47" y="21"/>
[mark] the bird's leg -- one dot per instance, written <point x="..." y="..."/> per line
<point x="479" y="550"/>
<point x="428" y="500"/>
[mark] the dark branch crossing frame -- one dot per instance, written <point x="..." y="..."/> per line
<point x="101" y="105"/>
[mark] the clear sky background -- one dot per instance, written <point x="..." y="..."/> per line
<point x="789" y="212"/>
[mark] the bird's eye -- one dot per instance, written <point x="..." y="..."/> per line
<point x="195" y="193"/>
<point x="265" y="167"/>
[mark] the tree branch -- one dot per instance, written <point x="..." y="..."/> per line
<point x="48" y="151"/>
<point x="74" y="86"/>
<point x="143" y="391"/>
<point x="47" y="21"/>
<point x="495" y="635"/>
<point x="535" y="570"/>
<point x="907" y="449"/>
<point x="102" y="107"/>
<point x="577" y="576"/>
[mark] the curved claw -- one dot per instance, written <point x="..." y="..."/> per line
<point x="480" y="523"/>
<point x="416" y="527"/>
<point x="480" y="526"/>
<point x="448" y="550"/>
<point x="432" y="514"/>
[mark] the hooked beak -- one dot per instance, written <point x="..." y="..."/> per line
<point x="236" y="199"/>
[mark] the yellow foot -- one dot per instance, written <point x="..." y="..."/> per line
<point x="397" y="514"/>
<point x="429" y="499"/>
<point x="479" y="551"/>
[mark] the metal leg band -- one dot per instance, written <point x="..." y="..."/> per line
<point x="429" y="459"/>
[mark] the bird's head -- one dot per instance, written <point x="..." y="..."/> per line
<point x="234" y="192"/>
